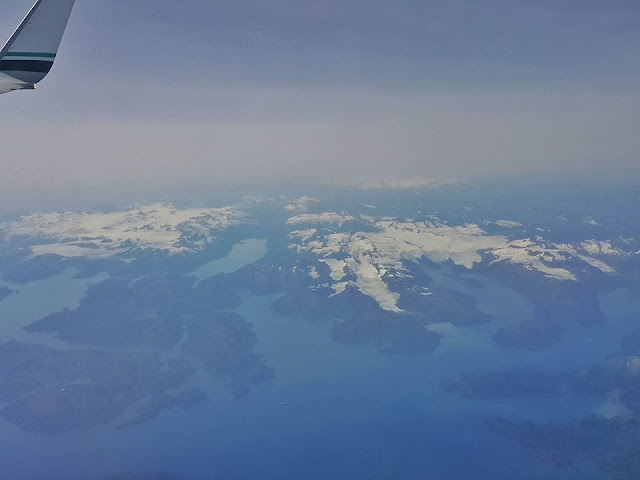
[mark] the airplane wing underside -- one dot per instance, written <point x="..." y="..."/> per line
<point x="9" y="84"/>
<point x="28" y="55"/>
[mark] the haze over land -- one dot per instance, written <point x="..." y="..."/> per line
<point x="160" y="96"/>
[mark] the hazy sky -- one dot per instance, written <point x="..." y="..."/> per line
<point x="164" y="94"/>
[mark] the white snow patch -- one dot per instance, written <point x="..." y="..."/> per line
<point x="533" y="257"/>
<point x="337" y="268"/>
<point x="633" y="367"/>
<point x="304" y="235"/>
<point x="338" y="288"/>
<point x="374" y="257"/>
<point x="313" y="272"/>
<point x="320" y="218"/>
<point x="300" y="204"/>
<point x="594" y="247"/>
<point x="158" y="226"/>
<point x="369" y="282"/>
<point x="612" y="406"/>
<point x="595" y="263"/>
<point x="508" y="223"/>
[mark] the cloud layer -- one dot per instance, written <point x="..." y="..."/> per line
<point x="216" y="92"/>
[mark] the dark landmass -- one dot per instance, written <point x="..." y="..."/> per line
<point x="37" y="268"/>
<point x="5" y="292"/>
<point x="148" y="411"/>
<point x="49" y="391"/>
<point x="611" y="445"/>
<point x="357" y="319"/>
<point x="11" y="256"/>
<point x="311" y="305"/>
<point x="559" y="306"/>
<point x="444" y="306"/>
<point x="531" y="335"/>
<point x="261" y="278"/>
<point x="89" y="268"/>
<point x="473" y="283"/>
<point x="223" y="342"/>
<point x="414" y="275"/>
<point x="112" y="316"/>
<point x="162" y="312"/>
<point x="387" y="333"/>
<point x="510" y="384"/>
<point x="146" y="476"/>
<point x="148" y="312"/>
<point x="631" y="343"/>
<point x="619" y="374"/>
<point x="19" y="267"/>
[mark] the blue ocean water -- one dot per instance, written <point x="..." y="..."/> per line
<point x="332" y="411"/>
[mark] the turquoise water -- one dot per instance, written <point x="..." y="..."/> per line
<point x="244" y="253"/>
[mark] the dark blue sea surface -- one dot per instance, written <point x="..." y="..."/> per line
<point x="332" y="411"/>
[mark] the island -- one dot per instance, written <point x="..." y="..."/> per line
<point x="49" y="391"/>
<point x="5" y="292"/>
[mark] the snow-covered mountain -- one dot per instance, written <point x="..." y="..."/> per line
<point x="369" y="259"/>
<point x="158" y="226"/>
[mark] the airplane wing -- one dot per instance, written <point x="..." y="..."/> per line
<point x="30" y="52"/>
